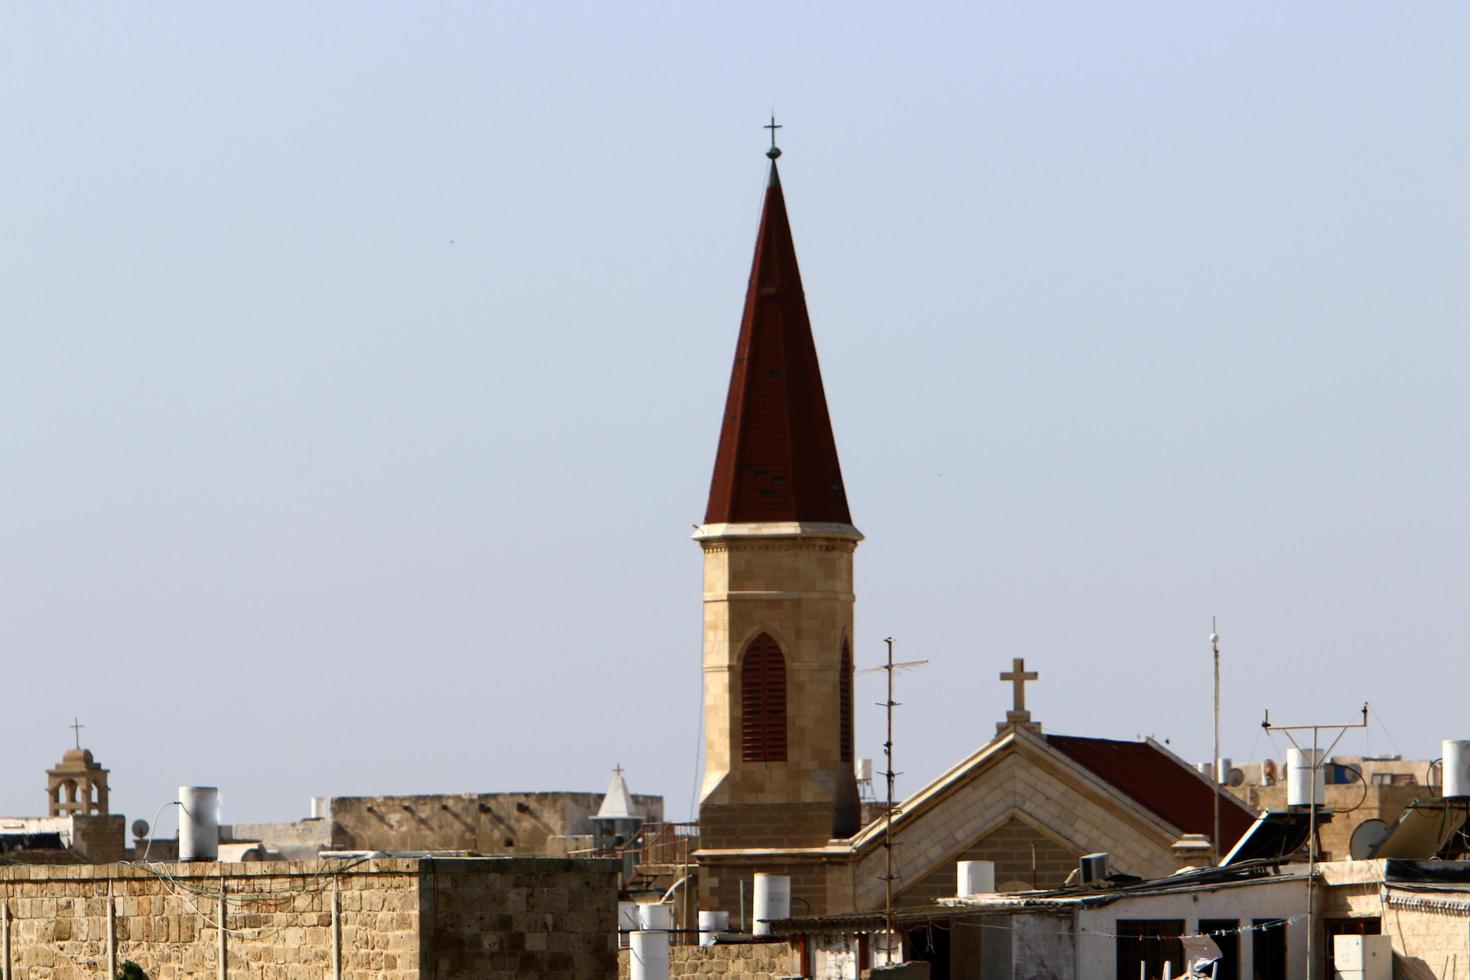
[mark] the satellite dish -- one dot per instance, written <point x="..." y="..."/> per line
<point x="140" y="829"/>
<point x="1366" y="838"/>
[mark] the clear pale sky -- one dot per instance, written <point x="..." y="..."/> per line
<point x="363" y="366"/>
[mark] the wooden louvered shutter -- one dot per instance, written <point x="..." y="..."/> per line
<point x="763" y="702"/>
<point x="844" y="706"/>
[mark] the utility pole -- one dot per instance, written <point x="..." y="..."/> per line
<point x="1316" y="758"/>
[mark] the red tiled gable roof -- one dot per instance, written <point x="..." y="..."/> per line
<point x="1159" y="783"/>
<point x="777" y="459"/>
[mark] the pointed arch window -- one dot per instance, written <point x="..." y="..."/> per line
<point x="763" y="702"/>
<point x="844" y="705"/>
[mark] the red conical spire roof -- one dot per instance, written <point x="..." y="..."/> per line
<point x="777" y="459"/>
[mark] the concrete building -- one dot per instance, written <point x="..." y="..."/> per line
<point x="1256" y="916"/>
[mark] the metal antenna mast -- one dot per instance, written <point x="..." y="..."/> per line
<point x="890" y="808"/>
<point x="1221" y="778"/>
<point x="1316" y="759"/>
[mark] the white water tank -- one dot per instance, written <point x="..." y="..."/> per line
<point x="654" y="917"/>
<point x="711" y="924"/>
<point x="974" y="878"/>
<point x="1304" y="772"/>
<point x="198" y="823"/>
<point x="627" y="922"/>
<point x="1456" y="755"/>
<point x="772" y="901"/>
<point x="1222" y="771"/>
<point x="648" y="956"/>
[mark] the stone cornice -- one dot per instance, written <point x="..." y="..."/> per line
<point x="776" y="529"/>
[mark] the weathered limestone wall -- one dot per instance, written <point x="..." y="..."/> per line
<point x="1024" y="858"/>
<point x="521" y="917"/>
<point x="488" y="823"/>
<point x="758" y="961"/>
<point x="401" y="919"/>
<point x="278" y="920"/>
<point x="1427" y="943"/>
<point x="722" y="874"/>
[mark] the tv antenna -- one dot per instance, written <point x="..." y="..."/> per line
<point x="1221" y="778"/>
<point x="1315" y="759"/>
<point x="890" y="807"/>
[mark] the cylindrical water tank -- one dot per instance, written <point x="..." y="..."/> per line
<point x="655" y="918"/>
<point x="1306" y="781"/>
<point x="710" y="924"/>
<point x="1456" y="755"/>
<point x="648" y="956"/>
<point x="198" y="823"/>
<point x="772" y="901"/>
<point x="627" y="922"/>
<point x="1222" y="771"/>
<point x="975" y="878"/>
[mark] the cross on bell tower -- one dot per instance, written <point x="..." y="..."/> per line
<point x="1018" y="716"/>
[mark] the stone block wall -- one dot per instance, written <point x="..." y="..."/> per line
<point x="1013" y="846"/>
<point x="488" y="823"/>
<point x="757" y="961"/>
<point x="312" y="920"/>
<point x="520" y="918"/>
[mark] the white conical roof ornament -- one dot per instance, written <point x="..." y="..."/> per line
<point x="618" y="803"/>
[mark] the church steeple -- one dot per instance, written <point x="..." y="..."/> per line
<point x="777" y="460"/>
<point x="778" y="546"/>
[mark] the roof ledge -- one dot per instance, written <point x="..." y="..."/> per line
<point x="777" y="529"/>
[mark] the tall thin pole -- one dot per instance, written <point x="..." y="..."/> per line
<point x="890" y="926"/>
<point x="891" y="807"/>
<point x="1220" y="777"/>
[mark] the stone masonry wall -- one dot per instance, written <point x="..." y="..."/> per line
<point x="487" y="823"/>
<point x="521" y="918"/>
<point x="757" y="961"/>
<point x="1013" y="846"/>
<point x="278" y="920"/>
<point x="400" y="919"/>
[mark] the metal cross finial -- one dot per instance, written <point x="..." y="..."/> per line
<point x="76" y="727"/>
<point x="618" y="769"/>
<point x="775" y="150"/>
<point x="1018" y="675"/>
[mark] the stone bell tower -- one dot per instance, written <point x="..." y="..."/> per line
<point x="778" y="544"/>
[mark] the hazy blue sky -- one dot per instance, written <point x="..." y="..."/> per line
<point x="363" y="366"/>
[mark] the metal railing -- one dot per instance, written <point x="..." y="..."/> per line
<point x="667" y="843"/>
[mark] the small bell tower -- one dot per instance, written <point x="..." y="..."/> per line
<point x="778" y="545"/>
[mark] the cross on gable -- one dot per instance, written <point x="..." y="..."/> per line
<point x="76" y="727"/>
<point x="1018" y="716"/>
